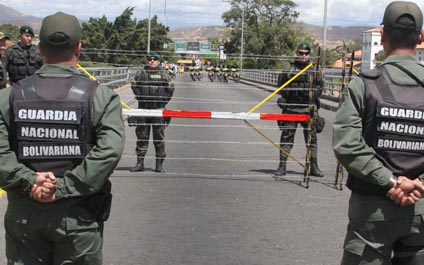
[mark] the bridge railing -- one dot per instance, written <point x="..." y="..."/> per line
<point x="332" y="80"/>
<point x="120" y="76"/>
<point x="113" y="76"/>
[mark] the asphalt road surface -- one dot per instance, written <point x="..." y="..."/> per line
<point x="218" y="202"/>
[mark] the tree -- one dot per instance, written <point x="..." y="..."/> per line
<point x="124" y="41"/>
<point x="270" y="30"/>
<point x="10" y="30"/>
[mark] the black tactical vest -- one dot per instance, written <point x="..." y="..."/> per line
<point x="152" y="89"/>
<point x="24" y="62"/>
<point x="52" y="133"/>
<point x="393" y="125"/>
<point x="298" y="90"/>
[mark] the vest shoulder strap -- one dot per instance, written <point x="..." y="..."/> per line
<point x="77" y="91"/>
<point x="377" y="80"/>
<point x="372" y="74"/>
<point x="79" y="88"/>
<point x="28" y="88"/>
<point x="406" y="71"/>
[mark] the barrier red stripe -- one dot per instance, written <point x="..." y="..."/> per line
<point x="196" y="114"/>
<point x="187" y="114"/>
<point x="285" y="117"/>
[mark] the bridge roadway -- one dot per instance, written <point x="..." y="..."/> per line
<point x="218" y="202"/>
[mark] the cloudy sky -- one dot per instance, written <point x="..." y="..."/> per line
<point x="193" y="13"/>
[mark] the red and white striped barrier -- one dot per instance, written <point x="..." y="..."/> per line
<point x="196" y="114"/>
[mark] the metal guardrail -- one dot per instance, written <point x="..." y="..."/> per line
<point x="119" y="76"/>
<point x="332" y="80"/>
<point x="114" y="77"/>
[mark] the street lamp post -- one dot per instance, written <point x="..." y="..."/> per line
<point x="324" y="42"/>
<point x="148" y="30"/>
<point x="165" y="18"/>
<point x="242" y="40"/>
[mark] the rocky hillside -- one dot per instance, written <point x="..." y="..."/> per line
<point x="335" y="35"/>
<point x="11" y="16"/>
<point x="197" y="34"/>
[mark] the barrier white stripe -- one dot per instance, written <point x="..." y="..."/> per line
<point x="235" y="115"/>
<point x="214" y="115"/>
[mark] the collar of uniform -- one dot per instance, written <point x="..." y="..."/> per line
<point x="406" y="60"/>
<point x="57" y="70"/>
<point x="400" y="58"/>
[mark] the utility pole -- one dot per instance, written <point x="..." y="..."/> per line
<point x="324" y="42"/>
<point x="166" y="20"/>
<point x="242" y="39"/>
<point x="148" y="31"/>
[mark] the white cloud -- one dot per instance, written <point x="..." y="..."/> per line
<point x="345" y="12"/>
<point x="183" y="13"/>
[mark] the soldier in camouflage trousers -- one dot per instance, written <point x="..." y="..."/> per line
<point x="296" y="100"/>
<point x="153" y="88"/>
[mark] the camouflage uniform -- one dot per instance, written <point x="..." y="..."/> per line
<point x="296" y="100"/>
<point x="153" y="89"/>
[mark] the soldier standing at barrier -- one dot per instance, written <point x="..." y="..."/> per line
<point x="61" y="137"/>
<point x="23" y="58"/>
<point x="153" y="88"/>
<point x="296" y="100"/>
<point x="377" y="139"/>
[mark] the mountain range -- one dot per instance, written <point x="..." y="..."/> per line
<point x="335" y="35"/>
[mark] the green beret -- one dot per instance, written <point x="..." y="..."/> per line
<point x="63" y="23"/>
<point x="154" y="54"/>
<point x="304" y="45"/>
<point x="26" y="30"/>
<point x="400" y="14"/>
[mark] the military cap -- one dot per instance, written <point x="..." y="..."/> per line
<point x="26" y="30"/>
<point x="4" y="36"/>
<point x="399" y="9"/>
<point x="304" y="45"/>
<point x="154" y="54"/>
<point x="60" y="23"/>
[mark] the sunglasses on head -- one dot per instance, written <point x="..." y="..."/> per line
<point x="302" y="53"/>
<point x="152" y="59"/>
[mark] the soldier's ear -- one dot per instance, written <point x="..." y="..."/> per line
<point x="41" y="49"/>
<point x="421" y="37"/>
<point x="78" y="50"/>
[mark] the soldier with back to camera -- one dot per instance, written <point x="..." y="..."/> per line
<point x="377" y="137"/>
<point x="61" y="136"/>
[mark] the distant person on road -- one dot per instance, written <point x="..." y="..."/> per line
<point x="377" y="137"/>
<point x="296" y="100"/>
<point x="153" y="89"/>
<point x="3" y="70"/>
<point x="61" y="136"/>
<point x="23" y="58"/>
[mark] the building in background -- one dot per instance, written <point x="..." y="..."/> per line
<point x="371" y="45"/>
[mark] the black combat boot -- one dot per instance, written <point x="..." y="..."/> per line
<point x="315" y="171"/>
<point x="139" y="166"/>
<point x="159" y="165"/>
<point x="281" y="170"/>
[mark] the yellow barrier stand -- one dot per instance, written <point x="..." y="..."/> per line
<point x="265" y="100"/>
